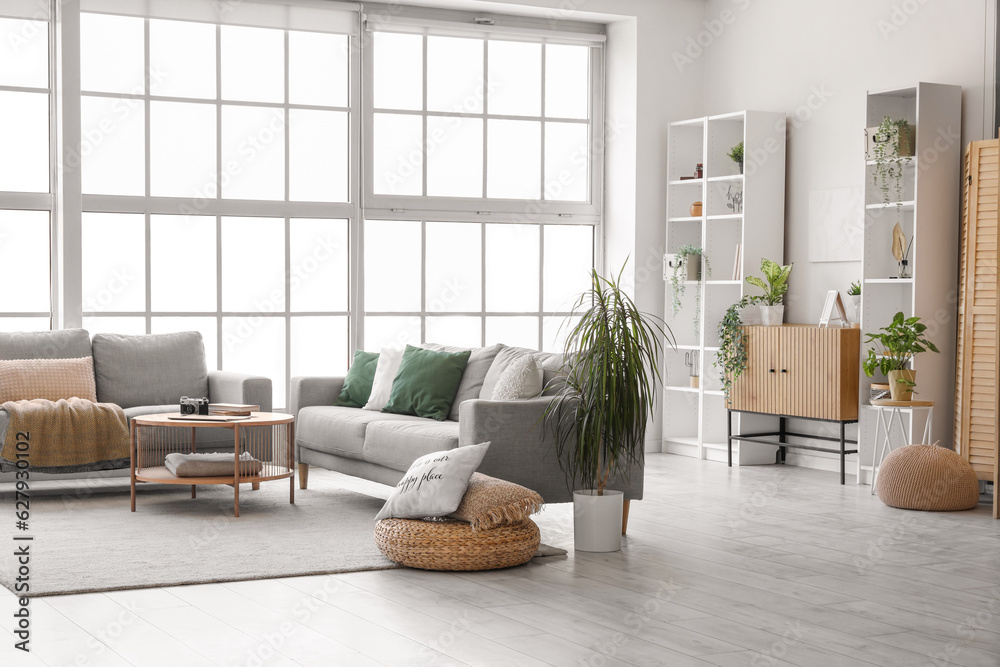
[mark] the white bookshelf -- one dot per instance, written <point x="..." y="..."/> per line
<point x="928" y="213"/>
<point x="694" y="421"/>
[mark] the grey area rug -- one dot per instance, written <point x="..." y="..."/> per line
<point x="94" y="543"/>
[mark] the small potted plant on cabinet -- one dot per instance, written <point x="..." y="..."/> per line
<point x="736" y="155"/>
<point x="854" y="291"/>
<point x="602" y="403"/>
<point x="772" y="312"/>
<point x="686" y="265"/>
<point x="894" y="348"/>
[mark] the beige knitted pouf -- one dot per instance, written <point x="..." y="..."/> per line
<point x="927" y="477"/>
<point x="451" y="545"/>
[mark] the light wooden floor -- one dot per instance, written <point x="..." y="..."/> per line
<point x="750" y="566"/>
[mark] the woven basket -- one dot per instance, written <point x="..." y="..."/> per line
<point x="451" y="545"/>
<point x="927" y="477"/>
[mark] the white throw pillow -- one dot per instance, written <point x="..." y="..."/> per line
<point x="521" y="379"/>
<point x="435" y="484"/>
<point x="385" y="372"/>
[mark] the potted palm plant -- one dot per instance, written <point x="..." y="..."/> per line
<point x="894" y="348"/>
<point x="602" y="403"/>
<point x="772" y="311"/>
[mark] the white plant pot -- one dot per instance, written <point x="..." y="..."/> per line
<point x="597" y="520"/>
<point x="750" y="315"/>
<point x="772" y="316"/>
<point x="856" y="298"/>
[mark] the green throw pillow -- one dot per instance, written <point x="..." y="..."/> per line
<point x="358" y="383"/>
<point x="426" y="383"/>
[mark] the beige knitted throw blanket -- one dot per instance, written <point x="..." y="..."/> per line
<point x="66" y="433"/>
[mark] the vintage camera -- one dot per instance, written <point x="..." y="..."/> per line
<point x="194" y="406"/>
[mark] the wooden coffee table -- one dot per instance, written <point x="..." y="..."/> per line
<point x="267" y="436"/>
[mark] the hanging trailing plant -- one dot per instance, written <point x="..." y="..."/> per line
<point x="681" y="258"/>
<point x="889" y="163"/>
<point x="731" y="359"/>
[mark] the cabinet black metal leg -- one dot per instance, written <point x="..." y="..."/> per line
<point x="782" y="451"/>
<point x="729" y="435"/>
<point x="842" y="453"/>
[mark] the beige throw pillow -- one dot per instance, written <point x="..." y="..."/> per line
<point x="521" y="379"/>
<point x="490" y="502"/>
<point x="51" y="379"/>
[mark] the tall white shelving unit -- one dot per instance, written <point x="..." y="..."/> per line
<point x="695" y="418"/>
<point x="929" y="214"/>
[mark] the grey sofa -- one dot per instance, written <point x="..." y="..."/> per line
<point x="143" y="375"/>
<point x="381" y="446"/>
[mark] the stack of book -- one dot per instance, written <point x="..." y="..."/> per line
<point x="232" y="409"/>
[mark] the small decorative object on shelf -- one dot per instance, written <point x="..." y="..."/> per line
<point x="888" y="145"/>
<point x="696" y="209"/>
<point x="699" y="171"/>
<point x="686" y="263"/>
<point x="833" y="309"/>
<point x="736" y="155"/>
<point x="901" y="341"/>
<point x="773" y="312"/>
<point x="691" y="361"/>
<point x="901" y="251"/>
<point x="734" y="200"/>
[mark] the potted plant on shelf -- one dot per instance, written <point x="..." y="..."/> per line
<point x="773" y="312"/>
<point x="854" y="291"/>
<point x="602" y="403"/>
<point x="731" y="359"/>
<point x="891" y="145"/>
<point x="736" y="155"/>
<point x="686" y="264"/>
<point x="894" y="348"/>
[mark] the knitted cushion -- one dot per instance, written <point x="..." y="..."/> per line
<point x="490" y="502"/>
<point x="451" y="545"/>
<point x="51" y="379"/>
<point x="927" y="477"/>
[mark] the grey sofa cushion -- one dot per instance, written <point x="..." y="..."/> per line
<point x="149" y="370"/>
<point x="550" y="363"/>
<point x="64" y="344"/>
<point x="397" y="444"/>
<point x="338" y="430"/>
<point x="479" y="365"/>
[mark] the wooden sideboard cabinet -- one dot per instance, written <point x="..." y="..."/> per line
<point x="802" y="371"/>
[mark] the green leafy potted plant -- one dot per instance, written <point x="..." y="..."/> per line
<point x="775" y="288"/>
<point x="854" y="291"/>
<point x="686" y="264"/>
<point x="892" y="145"/>
<point x="894" y="348"/>
<point x="736" y="155"/>
<point x="602" y="403"/>
<point x="731" y="359"/>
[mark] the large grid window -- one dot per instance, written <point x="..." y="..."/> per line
<point x="216" y="182"/>
<point x="465" y="127"/>
<point x="292" y="185"/>
<point x="25" y="172"/>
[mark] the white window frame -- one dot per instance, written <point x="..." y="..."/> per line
<point x="40" y="201"/>
<point x="219" y="207"/>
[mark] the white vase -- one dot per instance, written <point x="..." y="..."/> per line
<point x="750" y="314"/>
<point x="856" y="298"/>
<point x="772" y="316"/>
<point x="597" y="520"/>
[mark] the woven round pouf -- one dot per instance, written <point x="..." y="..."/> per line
<point x="927" y="477"/>
<point x="451" y="545"/>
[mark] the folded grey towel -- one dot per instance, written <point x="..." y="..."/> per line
<point x="210" y="465"/>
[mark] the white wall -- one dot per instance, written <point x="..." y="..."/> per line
<point x="815" y="61"/>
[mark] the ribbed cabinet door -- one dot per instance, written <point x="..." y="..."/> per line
<point x="755" y="389"/>
<point x="976" y="410"/>
<point x="809" y="372"/>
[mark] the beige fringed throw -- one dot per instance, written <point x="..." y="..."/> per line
<point x="67" y="432"/>
<point x="490" y="502"/>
